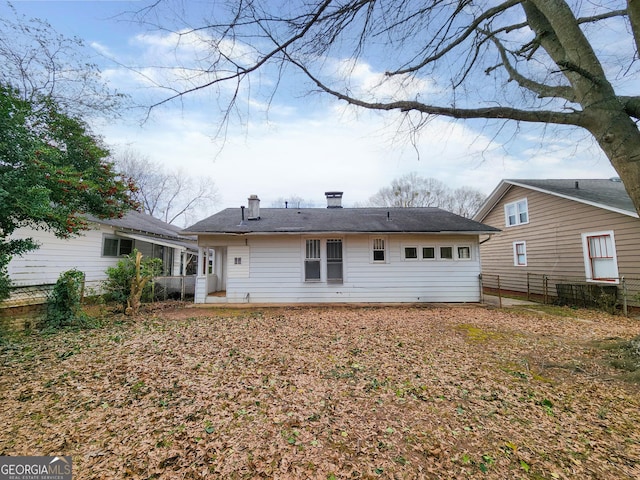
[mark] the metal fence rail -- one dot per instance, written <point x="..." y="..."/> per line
<point x="162" y="289"/>
<point x="620" y="294"/>
<point x="174" y="288"/>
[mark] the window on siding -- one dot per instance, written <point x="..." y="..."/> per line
<point x="446" y="253"/>
<point x="428" y="253"/>
<point x="126" y="246"/>
<point x="464" y="253"/>
<point x="378" y="249"/>
<point x="237" y="260"/>
<point x="520" y="254"/>
<point x="410" y="253"/>
<point x="334" y="260"/>
<point x="600" y="256"/>
<point x="312" y="260"/>
<point x="516" y="213"/>
<point x="115" y="247"/>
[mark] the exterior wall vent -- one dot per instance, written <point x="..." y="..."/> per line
<point x="334" y="199"/>
<point x="253" y="211"/>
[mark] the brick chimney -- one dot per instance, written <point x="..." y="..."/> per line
<point x="334" y="199"/>
<point x="253" y="212"/>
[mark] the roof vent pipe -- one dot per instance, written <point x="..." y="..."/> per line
<point x="334" y="199"/>
<point x="577" y="185"/>
<point x="253" y="212"/>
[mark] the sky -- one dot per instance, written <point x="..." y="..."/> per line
<point x="304" y="145"/>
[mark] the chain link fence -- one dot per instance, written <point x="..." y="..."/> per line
<point x="619" y="295"/>
<point x="27" y="304"/>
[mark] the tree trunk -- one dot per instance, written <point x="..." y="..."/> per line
<point x="603" y="112"/>
<point x="619" y="138"/>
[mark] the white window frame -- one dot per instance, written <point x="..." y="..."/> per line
<point x="611" y="256"/>
<point x="457" y="253"/>
<point x="446" y="259"/>
<point x="375" y="244"/>
<point x="309" y="259"/>
<point x="427" y="259"/>
<point x="520" y="207"/>
<point x="517" y="255"/>
<point x="404" y="253"/>
<point x="119" y="241"/>
<point x="335" y="261"/>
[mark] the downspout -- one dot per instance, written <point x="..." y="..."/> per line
<point x="485" y="240"/>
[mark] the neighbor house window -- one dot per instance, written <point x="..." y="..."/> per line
<point x="520" y="254"/>
<point x="334" y="260"/>
<point x="600" y="259"/>
<point x="446" y="253"/>
<point x="516" y="213"/>
<point x="428" y="253"/>
<point x="410" y="253"/>
<point x="464" y="253"/>
<point x="115" y="246"/>
<point x="312" y="260"/>
<point x="378" y="248"/>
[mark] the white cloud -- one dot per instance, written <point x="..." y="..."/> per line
<point x="314" y="144"/>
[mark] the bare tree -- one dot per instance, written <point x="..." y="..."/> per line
<point x="465" y="201"/>
<point x="40" y="63"/>
<point x="292" y="201"/>
<point x="412" y="190"/>
<point x="539" y="61"/>
<point x="168" y="196"/>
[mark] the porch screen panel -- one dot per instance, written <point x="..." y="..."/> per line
<point x="312" y="260"/>
<point x="334" y="260"/>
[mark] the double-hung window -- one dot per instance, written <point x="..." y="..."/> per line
<point x="334" y="260"/>
<point x="116" y="246"/>
<point x="600" y="259"/>
<point x="312" y="260"/>
<point x="378" y="248"/>
<point x="516" y="213"/>
<point x="520" y="254"/>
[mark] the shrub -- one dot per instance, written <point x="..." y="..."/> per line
<point x="121" y="277"/>
<point x="64" y="306"/>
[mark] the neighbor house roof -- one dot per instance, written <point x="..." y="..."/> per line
<point x="144" y="227"/>
<point x="343" y="220"/>
<point x="608" y="194"/>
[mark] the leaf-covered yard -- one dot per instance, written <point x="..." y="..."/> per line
<point x="332" y="392"/>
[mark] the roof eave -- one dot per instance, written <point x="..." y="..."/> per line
<point x="576" y="199"/>
<point x="348" y="232"/>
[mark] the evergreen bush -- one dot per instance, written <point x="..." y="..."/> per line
<point x="64" y="306"/>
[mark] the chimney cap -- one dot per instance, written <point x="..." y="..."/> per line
<point x="334" y="199"/>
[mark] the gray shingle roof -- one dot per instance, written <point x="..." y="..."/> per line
<point x="361" y="220"/>
<point x="144" y="224"/>
<point x="605" y="192"/>
<point x="608" y="194"/>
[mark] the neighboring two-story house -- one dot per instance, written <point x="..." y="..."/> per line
<point x="572" y="231"/>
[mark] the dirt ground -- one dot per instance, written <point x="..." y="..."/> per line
<point x="327" y="393"/>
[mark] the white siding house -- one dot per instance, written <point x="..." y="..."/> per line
<point x="316" y="255"/>
<point x="98" y="248"/>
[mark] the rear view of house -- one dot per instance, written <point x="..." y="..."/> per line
<point x="335" y="254"/>
<point x="572" y="234"/>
